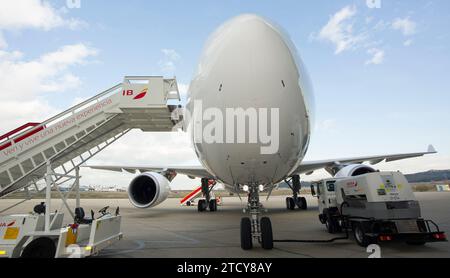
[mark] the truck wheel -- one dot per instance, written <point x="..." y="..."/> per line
<point x="321" y="218"/>
<point x="330" y="222"/>
<point x="246" y="234"/>
<point x="338" y="226"/>
<point x="41" y="248"/>
<point x="360" y="235"/>
<point x="331" y="225"/>
<point x="266" y="234"/>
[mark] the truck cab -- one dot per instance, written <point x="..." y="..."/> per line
<point x="325" y="191"/>
<point x="326" y="194"/>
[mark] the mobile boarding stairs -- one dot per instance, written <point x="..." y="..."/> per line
<point x="54" y="150"/>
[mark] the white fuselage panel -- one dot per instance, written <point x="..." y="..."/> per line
<point x="251" y="64"/>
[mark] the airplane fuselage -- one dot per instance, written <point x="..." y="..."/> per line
<point x="250" y="70"/>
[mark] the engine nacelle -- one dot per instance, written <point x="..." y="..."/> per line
<point x="148" y="190"/>
<point x="354" y="170"/>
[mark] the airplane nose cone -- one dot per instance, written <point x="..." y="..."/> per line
<point x="256" y="49"/>
<point x="247" y="19"/>
<point x="247" y="29"/>
<point x="249" y="72"/>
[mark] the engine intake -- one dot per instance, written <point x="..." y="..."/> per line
<point x="354" y="170"/>
<point x="148" y="190"/>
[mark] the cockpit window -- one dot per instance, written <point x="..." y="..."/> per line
<point x="330" y="186"/>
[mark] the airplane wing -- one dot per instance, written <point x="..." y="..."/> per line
<point x="190" y="171"/>
<point x="309" y="167"/>
<point x="306" y="167"/>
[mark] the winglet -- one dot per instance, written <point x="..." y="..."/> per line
<point x="431" y="149"/>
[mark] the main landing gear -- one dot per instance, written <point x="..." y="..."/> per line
<point x="296" y="200"/>
<point x="204" y="204"/>
<point x="254" y="227"/>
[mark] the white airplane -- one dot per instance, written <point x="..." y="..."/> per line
<point x="249" y="63"/>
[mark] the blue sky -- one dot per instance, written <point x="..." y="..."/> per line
<point x="381" y="75"/>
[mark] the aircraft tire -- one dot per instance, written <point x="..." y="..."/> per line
<point x="246" y="234"/>
<point x="266" y="234"/>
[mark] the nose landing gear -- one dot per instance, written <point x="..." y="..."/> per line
<point x="254" y="227"/>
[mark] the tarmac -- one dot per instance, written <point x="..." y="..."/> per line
<point x="170" y="230"/>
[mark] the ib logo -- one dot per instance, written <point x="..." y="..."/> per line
<point x="373" y="4"/>
<point x="130" y="93"/>
<point x="73" y="4"/>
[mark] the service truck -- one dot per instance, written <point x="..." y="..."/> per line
<point x="377" y="207"/>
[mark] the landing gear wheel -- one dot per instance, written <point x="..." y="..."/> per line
<point x="266" y="234"/>
<point x="331" y="225"/>
<point x="213" y="205"/>
<point x="246" y="234"/>
<point x="290" y="203"/>
<point x="41" y="248"/>
<point x="202" y="205"/>
<point x="301" y="203"/>
<point x="359" y="234"/>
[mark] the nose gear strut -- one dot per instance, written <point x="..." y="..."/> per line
<point x="255" y="227"/>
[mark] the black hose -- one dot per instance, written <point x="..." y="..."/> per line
<point x="315" y="241"/>
<point x="319" y="241"/>
<point x="311" y="240"/>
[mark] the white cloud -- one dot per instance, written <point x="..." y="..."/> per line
<point x="339" y="30"/>
<point x="171" y="54"/>
<point x="377" y="56"/>
<point x="347" y="30"/>
<point x="22" y="79"/>
<point x="369" y="19"/>
<point x="22" y="82"/>
<point x="169" y="62"/>
<point x="408" y="43"/>
<point x="37" y="14"/>
<point x="405" y="25"/>
<point x="3" y="43"/>
<point x="16" y="112"/>
<point x="4" y="55"/>
<point x="381" y="25"/>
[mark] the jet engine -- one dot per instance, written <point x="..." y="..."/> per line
<point x="148" y="190"/>
<point x="354" y="170"/>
